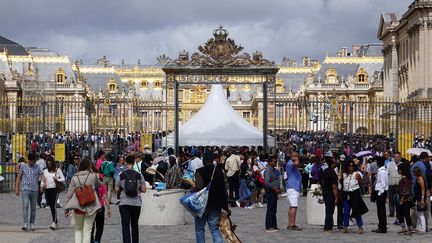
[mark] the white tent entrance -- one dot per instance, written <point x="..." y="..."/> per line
<point x="218" y="124"/>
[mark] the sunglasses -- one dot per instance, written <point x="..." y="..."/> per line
<point x="351" y="165"/>
<point x="76" y="158"/>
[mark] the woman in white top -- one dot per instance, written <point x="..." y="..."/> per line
<point x="352" y="199"/>
<point x="50" y="175"/>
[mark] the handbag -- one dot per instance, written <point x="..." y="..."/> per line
<point x="196" y="202"/>
<point x="85" y="193"/>
<point x="60" y="186"/>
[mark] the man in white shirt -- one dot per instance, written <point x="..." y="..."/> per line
<point x="381" y="188"/>
<point x="197" y="162"/>
<point x="232" y="166"/>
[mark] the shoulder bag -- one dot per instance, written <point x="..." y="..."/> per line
<point x="60" y="186"/>
<point x="196" y="202"/>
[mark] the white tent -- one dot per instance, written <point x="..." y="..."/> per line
<point x="218" y="124"/>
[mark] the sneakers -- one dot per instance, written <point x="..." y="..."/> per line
<point x="251" y="206"/>
<point x="25" y="227"/>
<point x="54" y="226"/>
<point x="238" y="204"/>
<point x="31" y="228"/>
<point x="360" y="230"/>
<point x="260" y="205"/>
<point x="284" y="195"/>
<point x="272" y="230"/>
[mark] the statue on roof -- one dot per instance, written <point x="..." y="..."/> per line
<point x="103" y="61"/>
<point x="162" y="60"/>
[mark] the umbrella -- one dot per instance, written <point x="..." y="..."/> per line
<point x="418" y="151"/>
<point x="363" y="153"/>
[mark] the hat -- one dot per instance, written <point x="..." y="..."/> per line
<point x="159" y="152"/>
<point x="342" y="157"/>
<point x="356" y="161"/>
<point x="328" y="154"/>
<point x="147" y="146"/>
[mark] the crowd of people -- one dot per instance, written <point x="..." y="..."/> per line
<point x="243" y="177"/>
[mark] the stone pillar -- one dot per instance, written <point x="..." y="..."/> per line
<point x="394" y="76"/>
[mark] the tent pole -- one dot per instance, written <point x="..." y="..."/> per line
<point x="265" y="118"/>
<point x="176" y="117"/>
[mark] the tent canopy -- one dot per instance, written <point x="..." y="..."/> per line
<point x="218" y="124"/>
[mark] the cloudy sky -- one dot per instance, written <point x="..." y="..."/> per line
<point x="144" y="29"/>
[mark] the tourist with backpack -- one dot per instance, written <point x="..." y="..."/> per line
<point x="107" y="169"/>
<point x="130" y="185"/>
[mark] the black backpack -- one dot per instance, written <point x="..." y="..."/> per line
<point x="131" y="178"/>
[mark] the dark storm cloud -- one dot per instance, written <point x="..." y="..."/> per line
<point x="134" y="29"/>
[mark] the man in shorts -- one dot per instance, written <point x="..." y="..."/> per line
<point x="293" y="187"/>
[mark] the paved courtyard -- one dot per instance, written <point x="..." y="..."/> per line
<point x="250" y="227"/>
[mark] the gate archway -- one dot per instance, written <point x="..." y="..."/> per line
<point x="219" y="61"/>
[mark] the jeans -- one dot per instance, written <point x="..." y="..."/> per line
<point x="29" y="197"/>
<point x="83" y="227"/>
<point x="381" y="211"/>
<point x="51" y="196"/>
<point x="98" y="225"/>
<point x="392" y="192"/>
<point x="129" y="220"/>
<point x="245" y="192"/>
<point x="329" y="201"/>
<point x="212" y="217"/>
<point x="233" y="182"/>
<point x="270" y="221"/>
<point x="346" y="215"/>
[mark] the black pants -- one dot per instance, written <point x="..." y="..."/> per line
<point x="305" y="182"/>
<point x="381" y="211"/>
<point x="404" y="214"/>
<point x="129" y="220"/>
<point x="234" y="185"/>
<point x="270" y="221"/>
<point x="39" y="199"/>
<point x="99" y="225"/>
<point x="51" y="196"/>
<point x="329" y="201"/>
<point x="339" y="214"/>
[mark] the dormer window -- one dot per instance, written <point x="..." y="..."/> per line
<point x="331" y="76"/>
<point x="362" y="76"/>
<point x="60" y="76"/>
<point x="112" y="86"/>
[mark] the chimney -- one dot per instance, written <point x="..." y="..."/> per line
<point x="306" y="61"/>
<point x="344" y="51"/>
<point x="315" y="62"/>
<point x="355" y="49"/>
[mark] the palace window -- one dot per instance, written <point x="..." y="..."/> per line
<point x="112" y="86"/>
<point x="362" y="76"/>
<point x="60" y="76"/>
<point x="247" y="115"/>
<point x="157" y="84"/>
<point x="144" y="84"/>
<point x="331" y="76"/>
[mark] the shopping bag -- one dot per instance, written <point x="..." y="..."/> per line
<point x="196" y="202"/>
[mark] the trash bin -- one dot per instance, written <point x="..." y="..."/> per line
<point x="162" y="208"/>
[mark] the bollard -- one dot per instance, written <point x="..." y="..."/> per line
<point x="2" y="161"/>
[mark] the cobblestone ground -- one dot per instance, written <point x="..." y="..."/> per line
<point x="250" y="227"/>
